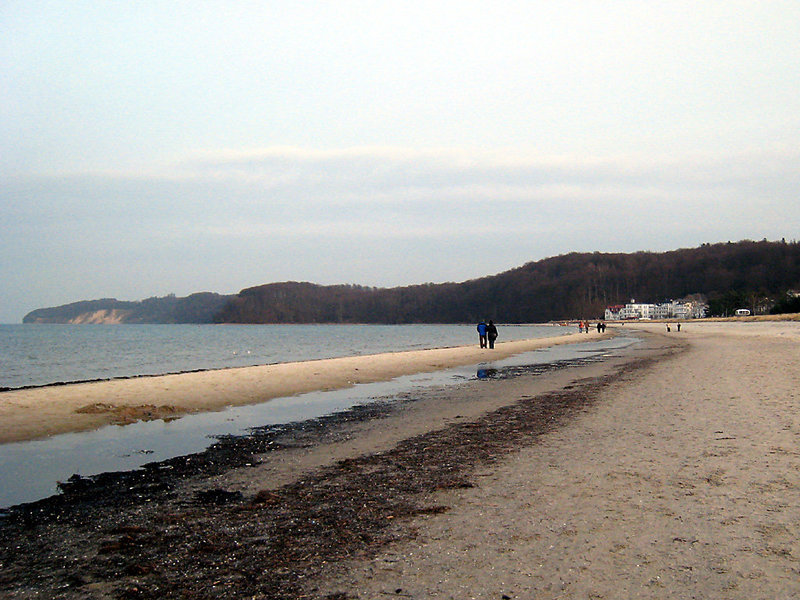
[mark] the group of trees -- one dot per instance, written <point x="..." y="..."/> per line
<point x="790" y="303"/>
<point x="754" y="275"/>
<point x="733" y="275"/>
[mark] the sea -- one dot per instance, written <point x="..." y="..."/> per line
<point x="45" y="354"/>
<point x="36" y="355"/>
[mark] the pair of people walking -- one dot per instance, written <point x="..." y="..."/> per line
<point x="487" y="334"/>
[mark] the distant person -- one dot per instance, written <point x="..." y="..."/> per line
<point x="679" y="327"/>
<point x="599" y="327"/>
<point x="580" y="326"/>
<point x="482" y="334"/>
<point x="491" y="333"/>
<point x="668" y="329"/>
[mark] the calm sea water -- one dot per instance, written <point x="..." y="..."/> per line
<point x="31" y="470"/>
<point x="34" y="355"/>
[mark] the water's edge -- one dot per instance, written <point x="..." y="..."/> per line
<point x="34" y="469"/>
<point x="33" y="356"/>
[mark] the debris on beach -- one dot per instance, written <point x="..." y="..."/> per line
<point x="165" y="531"/>
<point x="123" y="414"/>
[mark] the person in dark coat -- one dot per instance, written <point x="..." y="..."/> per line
<point x="491" y="333"/>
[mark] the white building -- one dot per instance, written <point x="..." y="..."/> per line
<point x="662" y="311"/>
<point x="612" y="312"/>
<point x="635" y="310"/>
<point x="675" y="309"/>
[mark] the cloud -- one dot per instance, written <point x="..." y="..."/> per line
<point x="391" y="174"/>
<point x="395" y="191"/>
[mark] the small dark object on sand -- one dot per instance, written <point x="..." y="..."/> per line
<point x="217" y="496"/>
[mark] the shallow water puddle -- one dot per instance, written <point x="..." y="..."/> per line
<point x="31" y="470"/>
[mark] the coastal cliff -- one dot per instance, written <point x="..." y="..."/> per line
<point x="106" y="317"/>
<point x="195" y="308"/>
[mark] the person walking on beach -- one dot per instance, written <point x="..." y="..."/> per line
<point x="482" y="334"/>
<point x="491" y="333"/>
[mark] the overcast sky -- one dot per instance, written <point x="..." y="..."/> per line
<point x="149" y="148"/>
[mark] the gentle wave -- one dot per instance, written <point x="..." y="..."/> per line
<point x="37" y="355"/>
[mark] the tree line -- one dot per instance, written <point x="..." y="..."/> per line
<point x="746" y="274"/>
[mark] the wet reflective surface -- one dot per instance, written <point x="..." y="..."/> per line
<point x="31" y="470"/>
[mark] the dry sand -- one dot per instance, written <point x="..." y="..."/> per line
<point x="675" y="479"/>
<point x="683" y="482"/>
<point x="40" y="412"/>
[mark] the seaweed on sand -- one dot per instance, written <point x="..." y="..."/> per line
<point x="156" y="543"/>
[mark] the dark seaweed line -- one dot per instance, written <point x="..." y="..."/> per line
<point x="269" y="545"/>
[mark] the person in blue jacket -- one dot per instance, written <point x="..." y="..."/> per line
<point x="482" y="334"/>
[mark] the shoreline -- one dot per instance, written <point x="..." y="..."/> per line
<point x="226" y="352"/>
<point x="265" y="484"/>
<point x="4" y="389"/>
<point x="42" y="411"/>
<point x="667" y="470"/>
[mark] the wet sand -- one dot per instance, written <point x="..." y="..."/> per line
<point x="668" y="471"/>
<point x="33" y="413"/>
<point x="682" y="482"/>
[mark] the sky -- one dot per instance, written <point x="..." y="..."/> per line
<point x="158" y="147"/>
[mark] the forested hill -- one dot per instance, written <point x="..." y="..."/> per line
<point x="730" y="275"/>
<point x="196" y="308"/>
<point x="755" y="275"/>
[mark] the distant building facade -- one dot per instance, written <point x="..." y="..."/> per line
<point x="612" y="312"/>
<point x="675" y="309"/>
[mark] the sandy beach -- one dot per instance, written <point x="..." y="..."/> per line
<point x="33" y="413"/>
<point x="668" y="470"/>
<point x="682" y="483"/>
